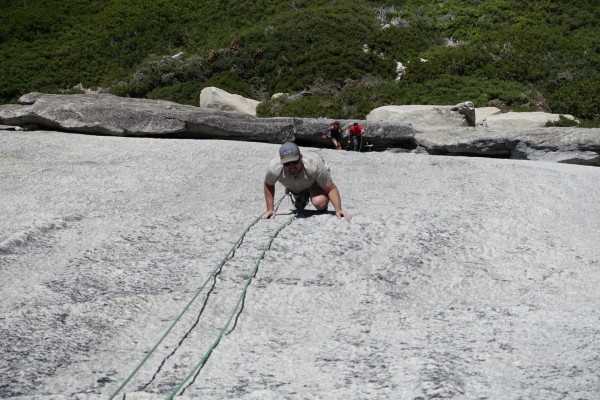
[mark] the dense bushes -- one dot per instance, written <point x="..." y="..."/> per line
<point x="578" y="97"/>
<point x="317" y="106"/>
<point x="518" y="55"/>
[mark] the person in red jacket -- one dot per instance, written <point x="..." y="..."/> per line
<point x="355" y="135"/>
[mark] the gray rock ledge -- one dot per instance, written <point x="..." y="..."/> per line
<point x="105" y="114"/>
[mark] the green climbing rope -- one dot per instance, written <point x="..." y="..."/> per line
<point x="233" y="312"/>
<point x="189" y="304"/>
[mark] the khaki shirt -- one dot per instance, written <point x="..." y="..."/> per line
<point x="315" y="171"/>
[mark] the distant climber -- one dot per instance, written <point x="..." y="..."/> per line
<point x="355" y="136"/>
<point x="336" y="134"/>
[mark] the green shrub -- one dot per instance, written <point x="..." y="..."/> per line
<point x="316" y="106"/>
<point x="520" y="55"/>
<point x="441" y="90"/>
<point x="579" y="97"/>
<point x="183" y="93"/>
<point x="593" y="123"/>
<point x="563" y="122"/>
<point x="359" y="99"/>
<point x="230" y="82"/>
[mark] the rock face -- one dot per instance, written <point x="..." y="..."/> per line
<point x="378" y="135"/>
<point x="105" y="114"/>
<point x="425" y="117"/>
<point x="219" y="99"/>
<point x="461" y="278"/>
<point x="521" y="119"/>
<point x="567" y="145"/>
<point x="483" y="113"/>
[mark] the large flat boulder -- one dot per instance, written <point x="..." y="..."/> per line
<point x="219" y="99"/>
<point x="105" y="114"/>
<point x="456" y="279"/>
<point x="483" y="113"/>
<point x="379" y="135"/>
<point x="522" y="120"/>
<point x="567" y="145"/>
<point x="425" y="117"/>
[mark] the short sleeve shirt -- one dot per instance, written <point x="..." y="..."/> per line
<point x="355" y="130"/>
<point x="315" y="171"/>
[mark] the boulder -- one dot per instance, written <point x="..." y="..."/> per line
<point x="299" y="95"/>
<point x="219" y="99"/>
<point x="521" y="120"/>
<point x="105" y="114"/>
<point x="566" y="145"/>
<point x="291" y="97"/>
<point x="483" y="113"/>
<point x="424" y="117"/>
<point x="378" y="135"/>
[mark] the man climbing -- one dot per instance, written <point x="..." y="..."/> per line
<point x="306" y="177"/>
<point x="355" y="134"/>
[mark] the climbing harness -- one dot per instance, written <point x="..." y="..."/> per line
<point x="299" y="200"/>
<point x="233" y="314"/>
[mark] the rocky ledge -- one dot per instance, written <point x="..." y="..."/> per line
<point x="105" y="114"/>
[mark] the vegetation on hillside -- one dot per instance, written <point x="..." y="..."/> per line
<point x="517" y="55"/>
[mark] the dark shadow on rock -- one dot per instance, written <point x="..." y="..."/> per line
<point x="313" y="213"/>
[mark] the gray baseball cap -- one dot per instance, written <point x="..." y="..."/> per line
<point x="289" y="152"/>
